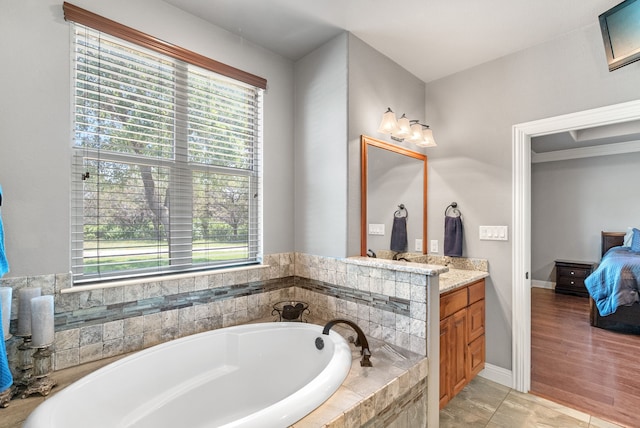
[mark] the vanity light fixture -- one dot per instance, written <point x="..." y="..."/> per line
<point x="405" y="129"/>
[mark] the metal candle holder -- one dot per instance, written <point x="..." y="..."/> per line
<point x="6" y="396"/>
<point x="25" y="363"/>
<point x="39" y="381"/>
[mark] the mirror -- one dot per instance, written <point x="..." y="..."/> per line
<point x="391" y="175"/>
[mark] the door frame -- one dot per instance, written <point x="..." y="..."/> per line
<point x="521" y="218"/>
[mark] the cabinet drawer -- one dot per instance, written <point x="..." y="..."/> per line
<point x="476" y="291"/>
<point x="453" y="302"/>
<point x="567" y="281"/>
<point x="573" y="272"/>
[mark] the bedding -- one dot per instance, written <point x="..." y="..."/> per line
<point x="615" y="282"/>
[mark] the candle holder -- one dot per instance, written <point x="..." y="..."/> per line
<point x="42" y="337"/>
<point x="6" y="396"/>
<point x="40" y="382"/>
<point x="25" y="363"/>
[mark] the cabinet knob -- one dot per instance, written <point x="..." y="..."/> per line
<point x="572" y="273"/>
<point x="572" y="283"/>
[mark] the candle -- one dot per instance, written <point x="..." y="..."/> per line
<point x="24" y="309"/>
<point x="42" y="329"/>
<point x="5" y="302"/>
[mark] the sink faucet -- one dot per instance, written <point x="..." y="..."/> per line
<point x="360" y="341"/>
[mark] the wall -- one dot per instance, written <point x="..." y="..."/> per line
<point x="320" y="152"/>
<point x="341" y="91"/>
<point x="35" y="119"/>
<point x="472" y="114"/>
<point x="573" y="201"/>
<point x="375" y="83"/>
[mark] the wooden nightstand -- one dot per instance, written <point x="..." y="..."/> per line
<point x="570" y="275"/>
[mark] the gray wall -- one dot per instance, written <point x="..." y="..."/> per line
<point x="375" y="83"/>
<point x="472" y="114"/>
<point x="573" y="201"/>
<point x="341" y="91"/>
<point x="320" y="149"/>
<point x="35" y="117"/>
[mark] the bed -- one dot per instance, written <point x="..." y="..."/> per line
<point x="626" y="317"/>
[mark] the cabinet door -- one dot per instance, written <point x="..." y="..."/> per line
<point x="476" y="320"/>
<point x="460" y="341"/>
<point x="445" y="366"/>
<point x="476" y="356"/>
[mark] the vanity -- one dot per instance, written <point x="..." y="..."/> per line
<point x="393" y="176"/>
<point x="462" y="338"/>
<point x="462" y="322"/>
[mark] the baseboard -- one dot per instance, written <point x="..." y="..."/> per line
<point x="543" y="284"/>
<point x="498" y="375"/>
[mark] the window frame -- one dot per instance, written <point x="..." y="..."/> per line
<point x="119" y="31"/>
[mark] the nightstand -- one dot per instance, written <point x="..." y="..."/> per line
<point x="570" y="275"/>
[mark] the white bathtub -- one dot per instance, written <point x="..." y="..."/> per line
<point x="254" y="375"/>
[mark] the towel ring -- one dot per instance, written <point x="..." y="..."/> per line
<point x="454" y="207"/>
<point x="399" y="211"/>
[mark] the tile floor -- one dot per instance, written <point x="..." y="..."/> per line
<point x="482" y="403"/>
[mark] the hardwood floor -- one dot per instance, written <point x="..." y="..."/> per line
<point x="587" y="368"/>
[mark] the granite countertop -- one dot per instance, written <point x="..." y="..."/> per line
<point x="455" y="278"/>
<point x="453" y="272"/>
<point x="399" y="265"/>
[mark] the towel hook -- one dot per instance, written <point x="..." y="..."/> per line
<point x="399" y="211"/>
<point x="454" y="207"/>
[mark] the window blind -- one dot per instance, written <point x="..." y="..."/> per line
<point x="166" y="170"/>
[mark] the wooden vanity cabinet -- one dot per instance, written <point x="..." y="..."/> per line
<point x="462" y="338"/>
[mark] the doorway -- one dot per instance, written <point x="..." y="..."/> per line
<point x="521" y="218"/>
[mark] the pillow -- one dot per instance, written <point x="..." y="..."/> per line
<point x="635" y="242"/>
<point x="628" y="237"/>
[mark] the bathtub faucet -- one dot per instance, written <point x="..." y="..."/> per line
<point x="361" y="341"/>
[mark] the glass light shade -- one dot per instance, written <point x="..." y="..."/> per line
<point x="416" y="132"/>
<point x="428" y="138"/>
<point x="404" y="128"/>
<point x="389" y="124"/>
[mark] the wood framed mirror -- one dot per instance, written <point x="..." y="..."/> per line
<point x="391" y="175"/>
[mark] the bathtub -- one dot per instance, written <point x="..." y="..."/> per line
<point x="254" y="375"/>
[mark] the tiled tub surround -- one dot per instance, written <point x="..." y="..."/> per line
<point x="392" y="393"/>
<point x="389" y="302"/>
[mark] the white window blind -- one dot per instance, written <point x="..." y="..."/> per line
<point x="166" y="171"/>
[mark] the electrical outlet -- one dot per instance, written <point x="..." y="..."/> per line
<point x="418" y="244"/>
<point x="434" y="245"/>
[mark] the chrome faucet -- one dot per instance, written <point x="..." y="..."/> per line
<point x="361" y="341"/>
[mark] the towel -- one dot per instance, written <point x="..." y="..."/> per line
<point x="399" y="242"/>
<point x="6" y="379"/>
<point x="4" y="264"/>
<point x="453" y="236"/>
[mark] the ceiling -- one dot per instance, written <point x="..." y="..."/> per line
<point x="429" y="38"/>
<point x="597" y="136"/>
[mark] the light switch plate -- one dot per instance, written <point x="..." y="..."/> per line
<point x="494" y="233"/>
<point x="434" y="246"/>
<point x="376" y="229"/>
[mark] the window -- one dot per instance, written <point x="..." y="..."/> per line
<point x="166" y="170"/>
